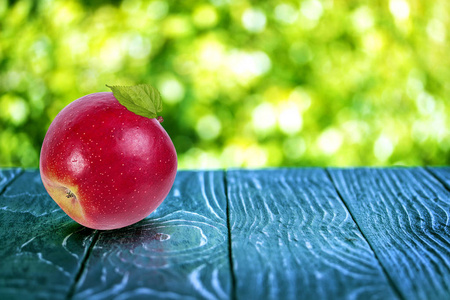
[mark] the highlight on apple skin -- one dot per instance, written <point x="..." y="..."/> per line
<point x="104" y="165"/>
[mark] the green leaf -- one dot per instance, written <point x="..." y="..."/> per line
<point x="142" y="99"/>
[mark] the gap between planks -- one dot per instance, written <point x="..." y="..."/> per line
<point x="83" y="264"/>
<point x="389" y="278"/>
<point x="444" y="184"/>
<point x="233" y="295"/>
<point x="20" y="173"/>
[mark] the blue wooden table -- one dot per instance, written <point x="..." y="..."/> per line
<point x="313" y="233"/>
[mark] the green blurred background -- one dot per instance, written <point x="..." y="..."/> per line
<point x="244" y="83"/>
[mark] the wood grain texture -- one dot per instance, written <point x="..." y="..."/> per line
<point x="179" y="252"/>
<point x="41" y="249"/>
<point x="443" y="175"/>
<point x="404" y="214"/>
<point x="7" y="175"/>
<point x="293" y="238"/>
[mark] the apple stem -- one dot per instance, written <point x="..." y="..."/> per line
<point x="160" y="119"/>
<point x="70" y="194"/>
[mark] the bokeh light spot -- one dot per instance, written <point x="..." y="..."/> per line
<point x="254" y="20"/>
<point x="111" y="55"/>
<point x="362" y="19"/>
<point x="14" y="108"/>
<point x="208" y="127"/>
<point x="286" y="13"/>
<point x="212" y="55"/>
<point x="157" y="9"/>
<point x="373" y="42"/>
<point x="248" y="65"/>
<point x="205" y="16"/>
<point x="294" y="147"/>
<point x="255" y="157"/>
<point x="399" y="9"/>
<point x="383" y="148"/>
<point x="425" y="103"/>
<point x="312" y="9"/>
<point x="177" y="26"/>
<point x="138" y="47"/>
<point x="436" y="30"/>
<point x="301" y="98"/>
<point x="172" y="91"/>
<point x="264" y="118"/>
<point x="289" y="119"/>
<point x="330" y="141"/>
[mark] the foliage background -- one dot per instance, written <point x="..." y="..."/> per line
<point x="244" y="83"/>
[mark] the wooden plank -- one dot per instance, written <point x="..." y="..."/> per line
<point x="42" y="249"/>
<point x="404" y="214"/>
<point x="179" y="251"/>
<point x="442" y="173"/>
<point x="293" y="238"/>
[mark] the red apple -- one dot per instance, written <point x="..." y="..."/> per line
<point x="105" y="166"/>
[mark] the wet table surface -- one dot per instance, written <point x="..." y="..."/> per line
<point x="291" y="233"/>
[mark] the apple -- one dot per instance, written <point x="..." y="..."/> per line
<point x="106" y="160"/>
